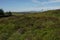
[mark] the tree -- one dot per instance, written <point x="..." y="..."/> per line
<point x="1" y="12"/>
<point x="10" y="13"/>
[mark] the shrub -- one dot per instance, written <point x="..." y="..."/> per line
<point x="10" y="13"/>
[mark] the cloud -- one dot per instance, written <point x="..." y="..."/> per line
<point x="45" y="1"/>
<point x="33" y="9"/>
<point x="40" y="8"/>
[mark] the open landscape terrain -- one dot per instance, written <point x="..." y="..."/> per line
<point x="31" y="26"/>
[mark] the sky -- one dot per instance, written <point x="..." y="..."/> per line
<point x="29" y="5"/>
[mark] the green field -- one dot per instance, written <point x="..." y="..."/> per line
<point x="37" y="26"/>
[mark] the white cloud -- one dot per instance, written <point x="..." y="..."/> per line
<point x="34" y="9"/>
<point x="40" y="8"/>
<point x="49" y="1"/>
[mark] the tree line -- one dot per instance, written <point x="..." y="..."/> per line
<point x="2" y="13"/>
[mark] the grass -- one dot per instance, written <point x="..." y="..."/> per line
<point x="38" y="26"/>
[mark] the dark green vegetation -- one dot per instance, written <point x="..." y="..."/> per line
<point x="2" y="14"/>
<point x="38" y="26"/>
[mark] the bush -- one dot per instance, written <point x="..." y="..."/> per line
<point x="10" y="13"/>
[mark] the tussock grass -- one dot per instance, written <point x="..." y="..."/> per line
<point x="38" y="26"/>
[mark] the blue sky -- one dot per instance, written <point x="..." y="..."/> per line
<point x="29" y="5"/>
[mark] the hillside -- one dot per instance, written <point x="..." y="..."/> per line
<point x="38" y="26"/>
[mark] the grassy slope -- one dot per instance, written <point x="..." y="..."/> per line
<point x="38" y="26"/>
